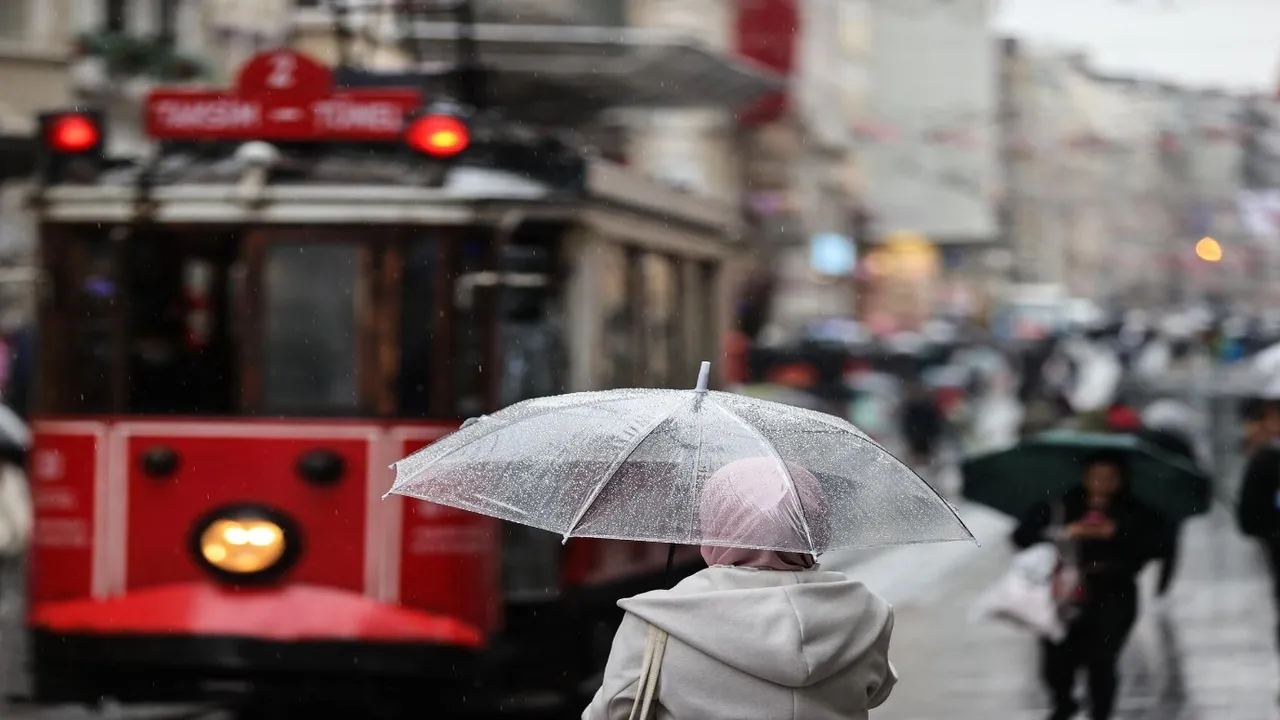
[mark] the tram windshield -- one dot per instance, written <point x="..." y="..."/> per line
<point x="381" y="322"/>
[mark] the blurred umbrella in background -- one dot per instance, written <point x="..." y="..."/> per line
<point x="1172" y="415"/>
<point x="1044" y="467"/>
<point x="783" y="395"/>
<point x="1098" y="375"/>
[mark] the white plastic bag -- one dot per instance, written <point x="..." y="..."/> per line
<point x="1024" y="596"/>
<point x="15" y="511"/>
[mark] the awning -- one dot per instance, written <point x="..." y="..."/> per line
<point x="614" y="67"/>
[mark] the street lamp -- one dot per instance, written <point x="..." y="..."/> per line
<point x="1209" y="250"/>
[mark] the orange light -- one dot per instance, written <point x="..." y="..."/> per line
<point x="73" y="133"/>
<point x="1209" y="250"/>
<point x="438" y="135"/>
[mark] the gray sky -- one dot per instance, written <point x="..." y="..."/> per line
<point x="1233" y="44"/>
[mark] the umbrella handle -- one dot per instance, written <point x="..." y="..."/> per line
<point x="704" y="376"/>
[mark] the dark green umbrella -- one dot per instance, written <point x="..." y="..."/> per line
<point x="1046" y="466"/>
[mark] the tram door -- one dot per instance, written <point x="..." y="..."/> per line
<point x="528" y="317"/>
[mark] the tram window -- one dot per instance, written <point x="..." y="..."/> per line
<point x="91" y="312"/>
<point x="311" y="327"/>
<point x="470" y="329"/>
<point x="618" y="347"/>
<point x="530" y="562"/>
<point x="418" y="314"/>
<point x="659" y="319"/>
<point x="707" y="306"/>
<point x="530" y="329"/>
<point x="179" y="349"/>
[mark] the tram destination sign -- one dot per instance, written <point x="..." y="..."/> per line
<point x="280" y="95"/>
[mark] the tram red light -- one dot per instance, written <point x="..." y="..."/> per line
<point x="73" y="133"/>
<point x="438" y="135"/>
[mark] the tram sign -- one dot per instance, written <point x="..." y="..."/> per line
<point x="280" y="95"/>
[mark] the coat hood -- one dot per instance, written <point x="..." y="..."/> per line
<point x="792" y="629"/>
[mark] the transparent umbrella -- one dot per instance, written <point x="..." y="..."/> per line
<point x="636" y="465"/>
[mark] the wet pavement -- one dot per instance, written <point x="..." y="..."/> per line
<point x="1205" y="653"/>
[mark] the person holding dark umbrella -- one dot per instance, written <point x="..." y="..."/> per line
<point x="922" y="425"/>
<point x="1110" y="530"/>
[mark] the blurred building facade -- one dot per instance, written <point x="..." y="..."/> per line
<point x="1111" y="181"/>
<point x="800" y="176"/>
<point x="36" y="39"/>
<point x="1247" y="164"/>
<point x="931" y="156"/>
<point x="1108" y="178"/>
<point x="36" y="43"/>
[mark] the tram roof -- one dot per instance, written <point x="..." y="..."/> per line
<point x="343" y="188"/>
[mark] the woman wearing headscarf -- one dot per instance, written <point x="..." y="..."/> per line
<point x="1113" y="536"/>
<point x="759" y="633"/>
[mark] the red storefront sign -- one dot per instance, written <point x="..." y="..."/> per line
<point x="280" y="95"/>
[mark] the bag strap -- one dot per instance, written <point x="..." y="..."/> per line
<point x="655" y="647"/>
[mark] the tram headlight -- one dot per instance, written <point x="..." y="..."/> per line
<point x="244" y="543"/>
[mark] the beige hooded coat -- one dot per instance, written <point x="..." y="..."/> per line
<point x="749" y="644"/>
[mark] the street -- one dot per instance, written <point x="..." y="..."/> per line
<point x="1207" y="654"/>
<point x="1204" y="653"/>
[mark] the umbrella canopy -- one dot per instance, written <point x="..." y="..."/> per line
<point x="638" y="465"/>
<point x="13" y="431"/>
<point x="1173" y="415"/>
<point x="1267" y="361"/>
<point x="1171" y="442"/>
<point x="1046" y="466"/>
<point x="1098" y="376"/>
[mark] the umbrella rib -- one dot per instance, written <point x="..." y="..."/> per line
<point x="613" y="469"/>
<point x="804" y="521"/>
<point x="505" y="426"/>
<point x="830" y="422"/>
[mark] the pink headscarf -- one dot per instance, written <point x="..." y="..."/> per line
<point x="752" y="502"/>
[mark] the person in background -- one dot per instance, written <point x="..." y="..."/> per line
<point x="17" y="387"/>
<point x="1111" y="532"/>
<point x="1258" y="509"/>
<point x="1175" y="444"/>
<point x="1260" y="424"/>
<point x="922" y="425"/>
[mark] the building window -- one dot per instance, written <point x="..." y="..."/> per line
<point x="115" y="20"/>
<point x="617" y="349"/>
<point x="15" y="19"/>
<point x="659" y="287"/>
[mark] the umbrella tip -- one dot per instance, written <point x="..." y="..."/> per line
<point x="704" y="376"/>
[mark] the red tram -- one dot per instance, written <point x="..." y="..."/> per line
<point x="237" y="341"/>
